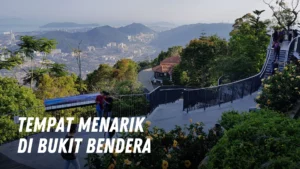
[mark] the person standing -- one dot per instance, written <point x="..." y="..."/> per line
<point x="281" y="36"/>
<point x="295" y="33"/>
<point x="100" y="106"/>
<point x="274" y="67"/>
<point x="108" y="100"/>
<point x="275" y="36"/>
<point x="70" y="158"/>
<point x="277" y="50"/>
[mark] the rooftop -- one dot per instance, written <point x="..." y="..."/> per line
<point x="167" y="65"/>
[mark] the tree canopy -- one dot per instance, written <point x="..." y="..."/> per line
<point x="263" y="139"/>
<point x="120" y="78"/>
<point x="285" y="12"/>
<point x="196" y="59"/>
<point x="15" y="98"/>
<point x="54" y="87"/>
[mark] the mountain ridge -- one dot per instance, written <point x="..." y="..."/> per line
<point x="67" y="25"/>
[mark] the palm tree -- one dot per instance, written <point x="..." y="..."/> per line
<point x="34" y="75"/>
<point x="30" y="45"/>
<point x="57" y="70"/>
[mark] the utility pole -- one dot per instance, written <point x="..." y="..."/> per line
<point x="78" y="53"/>
<point x="79" y="61"/>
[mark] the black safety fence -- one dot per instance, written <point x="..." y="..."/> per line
<point x="164" y="95"/>
<point x="212" y="96"/>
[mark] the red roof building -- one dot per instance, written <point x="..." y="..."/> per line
<point x="166" y="66"/>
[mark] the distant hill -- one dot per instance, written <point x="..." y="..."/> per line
<point x="67" y="25"/>
<point x="97" y="37"/>
<point x="135" y="28"/>
<point x="183" y="34"/>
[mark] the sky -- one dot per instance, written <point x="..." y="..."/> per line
<point x="128" y="11"/>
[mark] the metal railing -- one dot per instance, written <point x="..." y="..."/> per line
<point x="212" y="96"/>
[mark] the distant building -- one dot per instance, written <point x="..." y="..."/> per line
<point x="91" y="48"/>
<point x="56" y="51"/>
<point x="112" y="45"/>
<point x="165" y="68"/>
<point x="121" y="46"/>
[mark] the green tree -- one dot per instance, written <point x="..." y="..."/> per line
<point x="35" y="75"/>
<point x="54" y="87"/>
<point x="30" y="44"/>
<point x="58" y="70"/>
<point x="285" y="14"/>
<point x="249" y="39"/>
<point x="100" y="79"/>
<point x="54" y="70"/>
<point x="281" y="91"/>
<point x="173" y="51"/>
<point x="263" y="139"/>
<point x="125" y="69"/>
<point x="197" y="57"/>
<point x="13" y="60"/>
<point x="15" y="98"/>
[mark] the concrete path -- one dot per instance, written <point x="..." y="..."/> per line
<point x="169" y="115"/>
<point x="165" y="116"/>
<point x="145" y="78"/>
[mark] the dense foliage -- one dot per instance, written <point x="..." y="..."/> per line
<point x="15" y="101"/>
<point x="285" y="12"/>
<point x="55" y="87"/>
<point x="172" y="51"/>
<point x="247" y="48"/>
<point x="178" y="149"/>
<point x="119" y="79"/>
<point x="261" y="139"/>
<point x="281" y="91"/>
<point x="196" y="59"/>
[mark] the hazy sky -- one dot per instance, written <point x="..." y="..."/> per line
<point x="108" y="11"/>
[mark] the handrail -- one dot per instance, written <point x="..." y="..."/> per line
<point x="259" y="74"/>
<point x="288" y="50"/>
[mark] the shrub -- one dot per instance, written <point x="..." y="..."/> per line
<point x="229" y="119"/>
<point x="16" y="101"/>
<point x="261" y="139"/>
<point x="178" y="149"/>
<point x="281" y="91"/>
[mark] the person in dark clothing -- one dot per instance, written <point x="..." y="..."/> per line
<point x="274" y="66"/>
<point x="295" y="33"/>
<point x="275" y="36"/>
<point x="277" y="50"/>
<point x="281" y="36"/>
<point x="70" y="158"/>
<point x="290" y="35"/>
<point x="108" y="105"/>
<point x="112" y="133"/>
<point x="100" y="105"/>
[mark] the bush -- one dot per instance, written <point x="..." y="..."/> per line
<point x="229" y="119"/>
<point x="178" y="149"/>
<point x="16" y="101"/>
<point x="261" y="139"/>
<point x="281" y="91"/>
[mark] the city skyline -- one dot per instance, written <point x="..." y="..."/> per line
<point x="122" y="12"/>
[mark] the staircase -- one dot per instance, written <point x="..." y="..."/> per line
<point x="271" y="59"/>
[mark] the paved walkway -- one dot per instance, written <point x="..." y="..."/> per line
<point x="169" y="115"/>
<point x="7" y="163"/>
<point x="165" y="116"/>
<point x="145" y="78"/>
